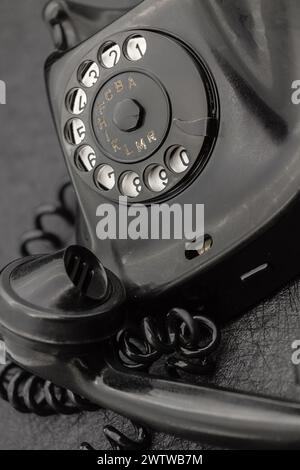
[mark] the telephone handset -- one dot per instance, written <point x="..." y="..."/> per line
<point x="166" y="106"/>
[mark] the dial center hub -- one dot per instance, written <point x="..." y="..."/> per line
<point x="131" y="117"/>
<point x="128" y="115"/>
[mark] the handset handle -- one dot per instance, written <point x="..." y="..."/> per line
<point x="214" y="415"/>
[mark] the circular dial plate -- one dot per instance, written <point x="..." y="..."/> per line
<point x="140" y="116"/>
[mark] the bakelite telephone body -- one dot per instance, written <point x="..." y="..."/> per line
<point x="211" y="83"/>
<point x="177" y="101"/>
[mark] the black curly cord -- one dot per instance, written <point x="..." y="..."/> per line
<point x="119" y="441"/>
<point x="61" y="210"/>
<point x="27" y="393"/>
<point x="189" y="342"/>
<point x="30" y="394"/>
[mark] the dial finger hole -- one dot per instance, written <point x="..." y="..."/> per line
<point x="75" y="131"/>
<point x="105" y="177"/>
<point x="88" y="73"/>
<point x="109" y="54"/>
<point x="76" y="101"/>
<point x="178" y="159"/>
<point x="157" y="178"/>
<point x="135" y="48"/>
<point x="85" y="158"/>
<point x="130" y="184"/>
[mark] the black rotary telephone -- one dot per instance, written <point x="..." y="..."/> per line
<point x="166" y="102"/>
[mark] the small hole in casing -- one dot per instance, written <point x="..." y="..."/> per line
<point x="207" y="245"/>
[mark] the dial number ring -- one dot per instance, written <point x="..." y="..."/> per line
<point x="178" y="152"/>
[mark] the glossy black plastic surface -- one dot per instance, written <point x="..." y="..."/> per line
<point x="253" y="174"/>
<point x="64" y="301"/>
<point x="73" y="21"/>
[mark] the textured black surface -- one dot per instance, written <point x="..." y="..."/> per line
<point x="256" y="350"/>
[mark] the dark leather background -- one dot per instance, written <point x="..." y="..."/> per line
<point x="256" y="350"/>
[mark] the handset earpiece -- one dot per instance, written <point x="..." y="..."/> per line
<point x="64" y="301"/>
